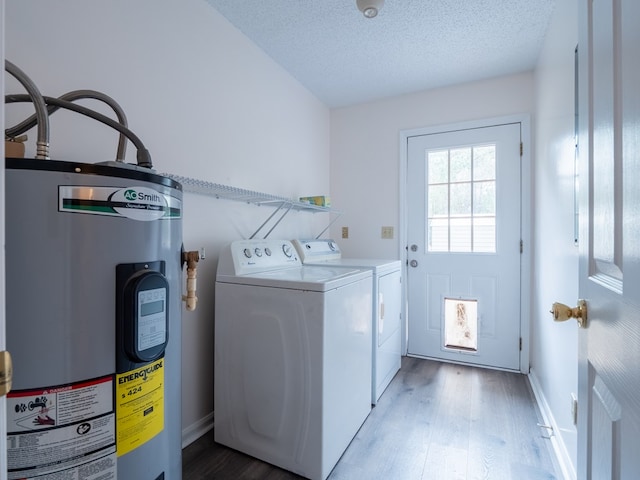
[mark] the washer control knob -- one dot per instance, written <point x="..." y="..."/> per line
<point x="247" y="252"/>
<point x="258" y="252"/>
<point x="286" y="249"/>
<point x="267" y="252"/>
<point x="332" y="246"/>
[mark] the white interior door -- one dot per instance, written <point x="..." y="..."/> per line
<point x="464" y="240"/>
<point x="3" y="418"/>
<point x="609" y="143"/>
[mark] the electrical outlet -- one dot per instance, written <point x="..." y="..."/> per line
<point x="387" y="232"/>
<point x="345" y="232"/>
<point x="574" y="408"/>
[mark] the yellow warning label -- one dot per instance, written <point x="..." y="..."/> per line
<point x="139" y="406"/>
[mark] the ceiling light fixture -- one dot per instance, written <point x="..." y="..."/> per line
<point x="369" y="8"/>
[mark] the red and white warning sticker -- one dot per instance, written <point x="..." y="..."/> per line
<point x="66" y="428"/>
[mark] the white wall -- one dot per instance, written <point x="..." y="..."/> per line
<point x="554" y="352"/>
<point x="365" y="152"/>
<point x="205" y="101"/>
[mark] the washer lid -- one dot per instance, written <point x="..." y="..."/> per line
<point x="312" y="277"/>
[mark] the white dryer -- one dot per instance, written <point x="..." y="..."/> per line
<point x="292" y="356"/>
<point x="386" y="308"/>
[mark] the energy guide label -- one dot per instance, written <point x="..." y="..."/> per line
<point x="139" y="405"/>
<point x="62" y="432"/>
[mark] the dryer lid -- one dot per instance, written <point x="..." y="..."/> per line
<point x="378" y="265"/>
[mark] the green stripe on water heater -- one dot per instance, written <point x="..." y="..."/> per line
<point x="86" y="207"/>
<point x="135" y="202"/>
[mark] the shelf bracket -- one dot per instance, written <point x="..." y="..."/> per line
<point x="269" y="219"/>
<point x="329" y="225"/>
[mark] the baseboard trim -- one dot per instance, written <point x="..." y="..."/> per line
<point x="194" y="431"/>
<point x="557" y="443"/>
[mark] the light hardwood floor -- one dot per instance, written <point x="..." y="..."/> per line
<point x="435" y="421"/>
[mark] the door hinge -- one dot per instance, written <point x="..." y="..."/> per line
<point x="521" y="246"/>
<point x="520" y="343"/>
<point x="521" y="148"/>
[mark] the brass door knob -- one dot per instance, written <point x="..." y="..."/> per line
<point x="562" y="312"/>
<point x="6" y="373"/>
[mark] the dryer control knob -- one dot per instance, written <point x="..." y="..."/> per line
<point x="286" y="249"/>
<point x="247" y="252"/>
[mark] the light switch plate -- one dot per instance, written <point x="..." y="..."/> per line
<point x="387" y="232"/>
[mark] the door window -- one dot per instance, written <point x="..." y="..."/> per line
<point x="461" y="199"/>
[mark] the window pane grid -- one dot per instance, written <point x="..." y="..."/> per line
<point x="461" y="199"/>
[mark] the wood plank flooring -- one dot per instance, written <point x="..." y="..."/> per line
<point x="435" y="421"/>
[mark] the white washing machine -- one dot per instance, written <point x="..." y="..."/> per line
<point x="386" y="308"/>
<point x="292" y="356"/>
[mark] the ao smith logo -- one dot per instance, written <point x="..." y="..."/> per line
<point x="133" y="195"/>
<point x="142" y="373"/>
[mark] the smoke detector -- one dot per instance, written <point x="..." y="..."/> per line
<point x="369" y="8"/>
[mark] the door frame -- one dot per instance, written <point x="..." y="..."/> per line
<point x="526" y="185"/>
<point x="3" y="400"/>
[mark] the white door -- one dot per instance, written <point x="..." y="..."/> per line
<point x="3" y="418"/>
<point x="609" y="144"/>
<point x="464" y="241"/>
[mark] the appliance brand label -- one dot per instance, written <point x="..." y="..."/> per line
<point x="135" y="202"/>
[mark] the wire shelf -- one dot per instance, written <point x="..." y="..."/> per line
<point x="282" y="205"/>
<point x="202" y="187"/>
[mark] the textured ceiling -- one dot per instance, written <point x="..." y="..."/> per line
<point x="412" y="45"/>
